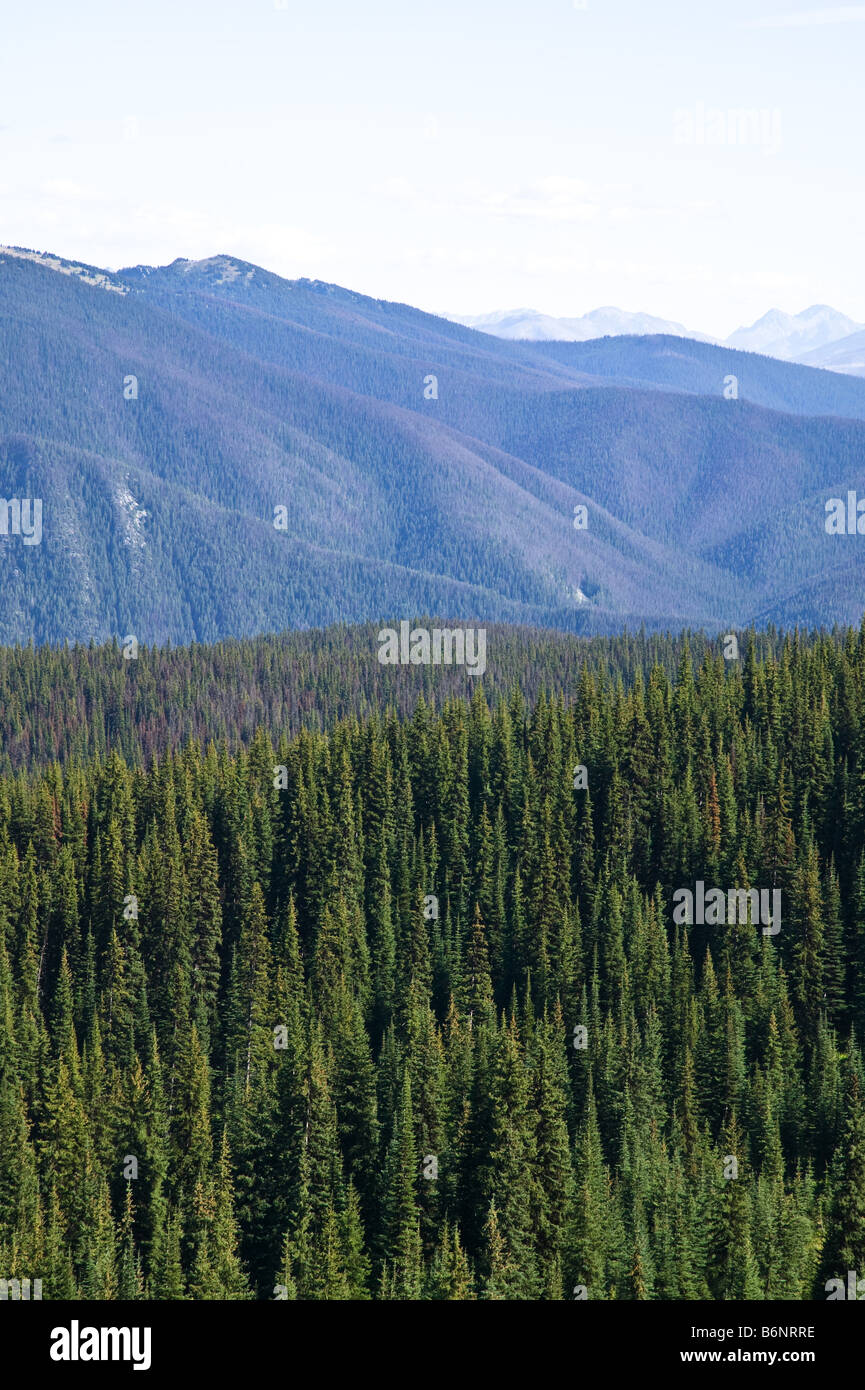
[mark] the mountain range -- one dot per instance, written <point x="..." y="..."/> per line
<point x="818" y="336"/>
<point x="219" y="451"/>
<point x="529" y="325"/>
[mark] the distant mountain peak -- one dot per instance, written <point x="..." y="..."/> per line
<point x="228" y="266"/>
<point x="789" y="337"/>
<point x="771" y="316"/>
<point x="793" y="336"/>
<point x="529" y="324"/>
<point x="816" y="310"/>
<point x="221" y="269"/>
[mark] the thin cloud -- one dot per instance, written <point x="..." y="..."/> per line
<point x="808" y="19"/>
<point x="555" y="199"/>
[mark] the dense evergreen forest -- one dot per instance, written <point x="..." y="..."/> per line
<point x="83" y="701"/>
<point x="392" y="1009"/>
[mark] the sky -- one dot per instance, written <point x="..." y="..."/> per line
<point x="461" y="156"/>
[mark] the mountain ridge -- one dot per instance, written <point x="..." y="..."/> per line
<point x="805" y="337"/>
<point x="422" y="466"/>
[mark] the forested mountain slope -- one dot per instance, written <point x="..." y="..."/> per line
<point x="58" y="704"/>
<point x="685" y="364"/>
<point x="163" y="417"/>
<point x="402" y="1010"/>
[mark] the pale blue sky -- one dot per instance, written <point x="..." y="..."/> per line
<point x="461" y="155"/>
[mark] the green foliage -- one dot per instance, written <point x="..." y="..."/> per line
<point x="329" y="1085"/>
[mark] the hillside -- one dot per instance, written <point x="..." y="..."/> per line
<point x="403" y="1010"/>
<point x="401" y="494"/>
<point x="82" y="702"/>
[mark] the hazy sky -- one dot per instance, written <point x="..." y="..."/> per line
<point x="462" y="155"/>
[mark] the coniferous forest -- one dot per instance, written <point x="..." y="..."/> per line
<point x="397" y="1007"/>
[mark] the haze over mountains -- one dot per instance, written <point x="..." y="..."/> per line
<point x="818" y="336"/>
<point x="162" y="414"/>
<point x="534" y="327"/>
